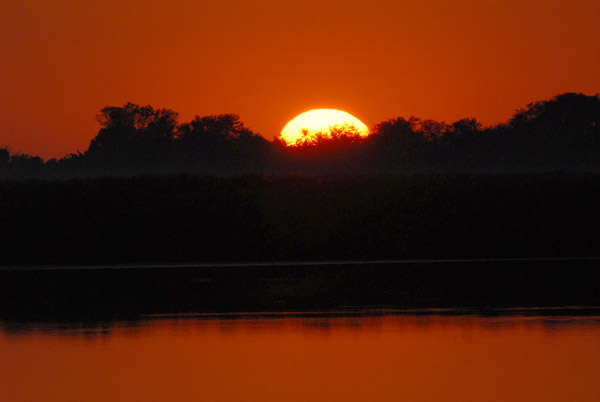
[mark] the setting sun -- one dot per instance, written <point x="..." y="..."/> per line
<point x="307" y="126"/>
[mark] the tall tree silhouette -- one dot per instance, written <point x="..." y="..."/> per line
<point x="397" y="146"/>
<point x="4" y="158"/>
<point x="220" y="144"/>
<point x="461" y="146"/>
<point x="133" y="137"/>
<point x="562" y="133"/>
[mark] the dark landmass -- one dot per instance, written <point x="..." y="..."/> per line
<point x="293" y="218"/>
<point x="105" y="294"/>
<point x="155" y="220"/>
<point x="152" y="191"/>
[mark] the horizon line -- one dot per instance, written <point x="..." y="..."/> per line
<point x="239" y="264"/>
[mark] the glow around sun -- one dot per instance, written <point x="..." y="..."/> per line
<point x="308" y="126"/>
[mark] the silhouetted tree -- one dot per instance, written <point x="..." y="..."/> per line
<point x="460" y="146"/>
<point x="336" y="150"/>
<point x="561" y="134"/>
<point x="133" y="137"/>
<point x="220" y="144"/>
<point x="341" y="133"/>
<point x="431" y="130"/>
<point x="21" y="166"/>
<point x="464" y="128"/>
<point x="211" y="130"/>
<point x="395" y="146"/>
<point x="4" y="158"/>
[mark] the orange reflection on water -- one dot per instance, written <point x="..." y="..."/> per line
<point x="306" y="358"/>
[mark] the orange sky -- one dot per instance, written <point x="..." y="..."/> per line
<point x="61" y="61"/>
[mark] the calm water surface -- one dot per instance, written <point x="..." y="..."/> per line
<point x="372" y="356"/>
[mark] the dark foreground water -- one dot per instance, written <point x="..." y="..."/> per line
<point x="372" y="355"/>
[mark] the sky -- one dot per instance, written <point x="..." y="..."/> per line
<point x="61" y="61"/>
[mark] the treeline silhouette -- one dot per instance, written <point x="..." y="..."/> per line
<point x="557" y="135"/>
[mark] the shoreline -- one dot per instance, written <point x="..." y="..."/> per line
<point x="109" y="293"/>
<point x="250" y="264"/>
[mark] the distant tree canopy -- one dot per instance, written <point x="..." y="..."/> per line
<point x="220" y="144"/>
<point x="575" y="111"/>
<point x="214" y="130"/>
<point x="132" y="129"/>
<point x="343" y="133"/>
<point x="140" y="139"/>
<point x="560" y="134"/>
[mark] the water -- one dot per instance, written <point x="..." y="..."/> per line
<point x="373" y="355"/>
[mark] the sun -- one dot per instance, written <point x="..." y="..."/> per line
<point x="307" y="127"/>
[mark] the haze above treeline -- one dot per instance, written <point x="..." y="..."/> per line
<point x="560" y="134"/>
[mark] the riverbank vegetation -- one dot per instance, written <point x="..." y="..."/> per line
<point x="557" y="135"/>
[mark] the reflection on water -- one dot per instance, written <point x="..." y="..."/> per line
<point x="367" y="356"/>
